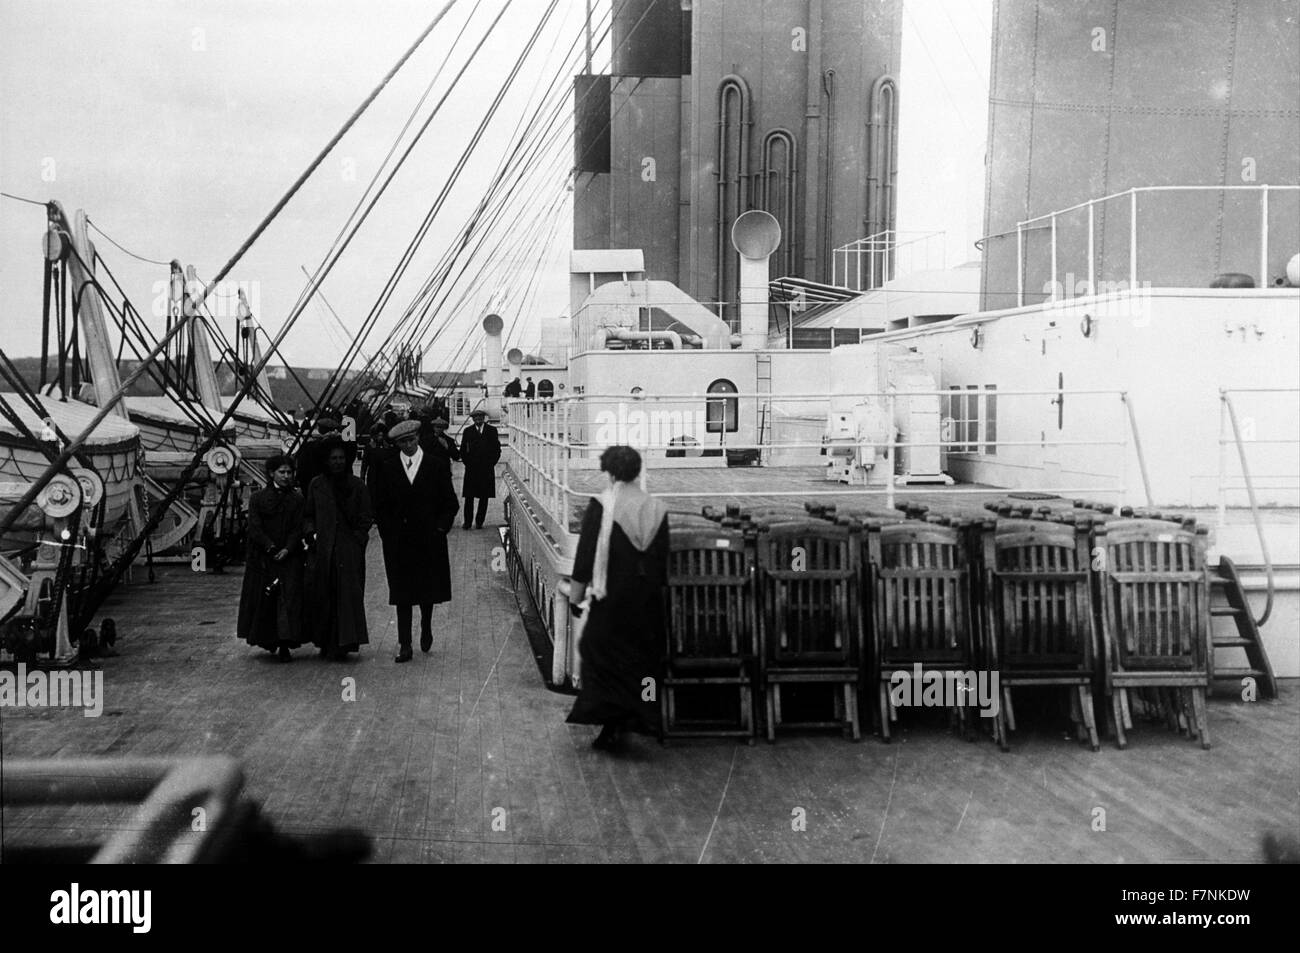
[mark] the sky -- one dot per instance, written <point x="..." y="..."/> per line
<point x="177" y="125"/>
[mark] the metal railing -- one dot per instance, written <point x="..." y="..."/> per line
<point x="544" y="450"/>
<point x="1228" y="421"/>
<point x="880" y="254"/>
<point x="1051" y="218"/>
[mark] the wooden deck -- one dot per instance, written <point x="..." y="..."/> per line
<point x="429" y="751"/>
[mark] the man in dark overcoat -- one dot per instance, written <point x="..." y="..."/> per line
<point x="437" y="440"/>
<point x="415" y="507"/>
<point x="480" y="449"/>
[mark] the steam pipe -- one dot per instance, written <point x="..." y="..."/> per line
<point x="625" y="335"/>
<point x="785" y="138"/>
<point x="730" y="85"/>
<point x="812" y="138"/>
<point x="882" y="169"/>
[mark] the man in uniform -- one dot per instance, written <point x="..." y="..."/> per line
<point x="415" y="507"/>
<point x="480" y="449"/>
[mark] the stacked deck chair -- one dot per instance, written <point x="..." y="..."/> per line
<point x="712" y="637"/>
<point x="1155" y="598"/>
<point x="1039" y="617"/>
<point x="921" y="611"/>
<point x="810" y="623"/>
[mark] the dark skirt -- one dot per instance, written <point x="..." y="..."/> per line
<point x="621" y="674"/>
<point x="270" y="603"/>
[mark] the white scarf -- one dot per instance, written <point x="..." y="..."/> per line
<point x="600" y="568"/>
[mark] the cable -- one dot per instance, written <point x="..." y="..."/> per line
<point x="19" y="198"/>
<point x="152" y="261"/>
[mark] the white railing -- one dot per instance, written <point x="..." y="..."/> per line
<point x="1051" y="218"/>
<point x="1228" y="421"/>
<point x="545" y="452"/>
<point x="869" y="262"/>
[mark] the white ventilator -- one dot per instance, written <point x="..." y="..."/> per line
<point x="492" y="327"/>
<point x="756" y="236"/>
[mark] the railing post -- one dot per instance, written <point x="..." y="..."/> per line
<point x="1223" y="464"/>
<point x="1092" y="249"/>
<point x="1132" y="239"/>
<point x="1055" y="284"/>
<point x="1020" y="267"/>
<point x="564" y="467"/>
<point x="1263" y="236"/>
<point x="891" y="405"/>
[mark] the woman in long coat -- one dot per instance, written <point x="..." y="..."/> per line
<point x="338" y="512"/>
<point x="622" y="561"/>
<point x="270" y="604"/>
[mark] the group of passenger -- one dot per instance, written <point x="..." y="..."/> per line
<point x="305" y="574"/>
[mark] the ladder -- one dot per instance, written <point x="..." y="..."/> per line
<point x="763" y="379"/>
<point x="1227" y="582"/>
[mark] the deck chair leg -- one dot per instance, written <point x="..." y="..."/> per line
<point x="1127" y="719"/>
<point x="1008" y="707"/>
<point x="1189" y="712"/>
<point x="1076" y="717"/>
<point x="665" y="715"/>
<point x="770" y="698"/>
<point x="885" y="712"/>
<point x="1000" y="730"/>
<point x="1118" y="706"/>
<point x="1202" y="716"/>
<point x="1089" y="717"/>
<point x="851" y="703"/>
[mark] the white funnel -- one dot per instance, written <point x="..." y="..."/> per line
<point x="515" y="358"/>
<point x="492" y="327"/>
<point x="755" y="234"/>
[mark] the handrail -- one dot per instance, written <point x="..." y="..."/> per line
<point x="1262" y="189"/>
<point x="1137" y="446"/>
<point x="1254" y="505"/>
<point x="544" y="447"/>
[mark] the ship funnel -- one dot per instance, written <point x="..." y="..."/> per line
<point x="492" y="326"/>
<point x="515" y="358"/>
<point x="756" y="236"/>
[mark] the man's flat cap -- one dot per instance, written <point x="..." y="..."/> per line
<point x="407" y="428"/>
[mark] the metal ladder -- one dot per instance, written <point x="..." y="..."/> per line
<point x="763" y="380"/>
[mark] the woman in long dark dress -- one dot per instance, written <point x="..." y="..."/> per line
<point x="622" y="561"/>
<point x="339" y="514"/>
<point x="270" y="604"/>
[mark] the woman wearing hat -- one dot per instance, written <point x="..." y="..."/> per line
<point x="338" y="513"/>
<point x="270" y="604"/>
<point x="622" y="563"/>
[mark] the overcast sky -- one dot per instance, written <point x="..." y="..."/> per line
<point x="177" y="124"/>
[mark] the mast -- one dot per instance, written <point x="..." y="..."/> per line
<point x="90" y="313"/>
<point x="205" y="374"/>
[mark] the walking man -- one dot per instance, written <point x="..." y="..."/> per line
<point x="480" y="449"/>
<point x="415" y="505"/>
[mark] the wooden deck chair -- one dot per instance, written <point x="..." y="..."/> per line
<point x="921" y="612"/>
<point x="712" y="638"/>
<point x="1039" y="617"/>
<point x="810" y="627"/>
<point x="1155" y="592"/>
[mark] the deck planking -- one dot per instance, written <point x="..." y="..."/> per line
<point x="428" y="751"/>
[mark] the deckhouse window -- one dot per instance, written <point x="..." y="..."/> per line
<point x="722" y="413"/>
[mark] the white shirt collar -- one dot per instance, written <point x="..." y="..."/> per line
<point x="412" y="463"/>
